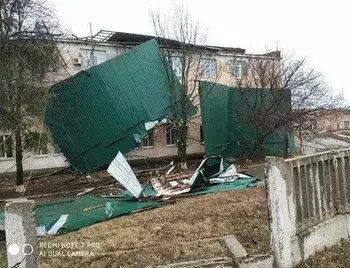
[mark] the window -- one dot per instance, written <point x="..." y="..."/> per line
<point x="42" y="150"/>
<point x="313" y="124"/>
<point x="148" y="140"/>
<point x="56" y="149"/>
<point x="338" y="125"/>
<point x="201" y="134"/>
<point x="91" y="58"/>
<point x="171" y="136"/>
<point x="6" y="146"/>
<point x="346" y="125"/>
<point x="177" y="66"/>
<point x="237" y="68"/>
<point x="207" y="68"/>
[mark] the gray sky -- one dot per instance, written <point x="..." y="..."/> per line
<point x="316" y="29"/>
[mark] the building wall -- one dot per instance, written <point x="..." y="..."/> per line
<point x="330" y="120"/>
<point x="161" y="149"/>
<point x="31" y="161"/>
<point x="69" y="51"/>
<point x="342" y="122"/>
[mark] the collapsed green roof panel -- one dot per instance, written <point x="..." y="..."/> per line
<point x="226" y="133"/>
<point x="97" y="112"/>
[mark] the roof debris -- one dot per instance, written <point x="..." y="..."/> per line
<point x="121" y="170"/>
<point x="66" y="216"/>
<point x="109" y="108"/>
<point x="210" y="171"/>
<point x="85" y="191"/>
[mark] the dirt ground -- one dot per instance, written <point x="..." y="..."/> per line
<point x="61" y="187"/>
<point x="44" y="189"/>
<point x="189" y="230"/>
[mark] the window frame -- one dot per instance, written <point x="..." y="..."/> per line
<point x="234" y="64"/>
<point x="178" y="65"/>
<point x="173" y="136"/>
<point x="4" y="138"/>
<point x="86" y="58"/>
<point x="201" y="134"/>
<point x="202" y="73"/>
<point x="40" y="152"/>
<point x="54" y="149"/>
<point x="149" y="137"/>
<point x="346" y="124"/>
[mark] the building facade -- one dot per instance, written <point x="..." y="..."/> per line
<point x="223" y="66"/>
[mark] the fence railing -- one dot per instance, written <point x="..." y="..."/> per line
<point x="320" y="187"/>
<point x="304" y="192"/>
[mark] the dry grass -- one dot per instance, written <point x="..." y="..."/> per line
<point x="188" y="230"/>
<point x="337" y="256"/>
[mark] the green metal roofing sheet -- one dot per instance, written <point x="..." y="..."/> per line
<point x="123" y="203"/>
<point x="226" y="133"/>
<point x="98" y="112"/>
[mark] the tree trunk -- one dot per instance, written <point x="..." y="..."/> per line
<point x="302" y="149"/>
<point x="182" y="146"/>
<point x="19" y="157"/>
<point x="256" y="147"/>
<point x="18" y="139"/>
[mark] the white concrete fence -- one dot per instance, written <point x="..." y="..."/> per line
<point x="308" y="203"/>
<point x="21" y="239"/>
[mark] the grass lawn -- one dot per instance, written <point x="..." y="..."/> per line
<point x="188" y="230"/>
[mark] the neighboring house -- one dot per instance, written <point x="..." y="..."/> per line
<point x="224" y="65"/>
<point x="324" y="130"/>
<point x="343" y="121"/>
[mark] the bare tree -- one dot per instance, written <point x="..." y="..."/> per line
<point x="184" y="52"/>
<point x="279" y="94"/>
<point x="28" y="32"/>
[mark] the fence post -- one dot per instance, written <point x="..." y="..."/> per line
<point x="280" y="224"/>
<point x="20" y="231"/>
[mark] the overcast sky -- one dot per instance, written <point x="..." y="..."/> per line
<point x="318" y="30"/>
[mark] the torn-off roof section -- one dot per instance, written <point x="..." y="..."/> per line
<point x="227" y="133"/>
<point x="100" y="111"/>
<point x="134" y="39"/>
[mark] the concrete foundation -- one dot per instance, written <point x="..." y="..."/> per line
<point x="325" y="234"/>
<point x="256" y="261"/>
<point x="235" y="246"/>
<point x="210" y="263"/>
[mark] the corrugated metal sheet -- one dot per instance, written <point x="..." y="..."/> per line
<point x="122" y="172"/>
<point x="226" y="133"/>
<point x="98" y="112"/>
<point x="78" y="217"/>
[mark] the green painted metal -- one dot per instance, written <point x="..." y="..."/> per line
<point x="102" y="110"/>
<point x="48" y="214"/>
<point x="226" y="133"/>
<point x="238" y="184"/>
<point x="123" y="204"/>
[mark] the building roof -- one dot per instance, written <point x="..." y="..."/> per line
<point x="133" y="39"/>
<point x="136" y="39"/>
